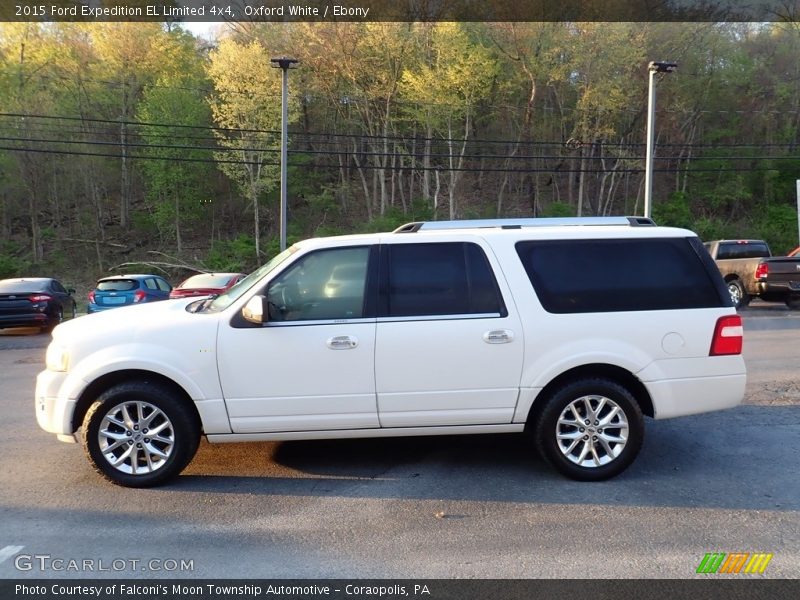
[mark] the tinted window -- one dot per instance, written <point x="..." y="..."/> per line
<point x="150" y="284"/>
<point x="742" y="250"/>
<point x="58" y="287"/>
<point x="581" y="276"/>
<point x="324" y="285"/>
<point x="12" y="286"/>
<point x="117" y="285"/>
<point x="439" y="279"/>
<point x="163" y="285"/>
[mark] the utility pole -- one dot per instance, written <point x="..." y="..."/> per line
<point x="652" y="68"/>
<point x="284" y="64"/>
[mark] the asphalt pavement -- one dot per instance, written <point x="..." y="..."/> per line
<point x="463" y="507"/>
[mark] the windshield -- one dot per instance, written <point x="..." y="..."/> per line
<point x="223" y="301"/>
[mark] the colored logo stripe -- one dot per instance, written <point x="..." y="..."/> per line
<point x="716" y="562"/>
<point x="758" y="563"/>
<point x="734" y="563"/>
<point x="711" y="562"/>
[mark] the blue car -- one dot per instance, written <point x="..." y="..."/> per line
<point x="124" y="290"/>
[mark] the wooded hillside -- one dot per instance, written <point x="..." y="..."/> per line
<point x="126" y="142"/>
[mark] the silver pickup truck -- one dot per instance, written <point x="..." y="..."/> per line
<point x="750" y="271"/>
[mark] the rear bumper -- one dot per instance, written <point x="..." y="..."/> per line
<point x="778" y="288"/>
<point x="681" y="397"/>
<point x="36" y="319"/>
<point x="681" y="387"/>
<point x="94" y="308"/>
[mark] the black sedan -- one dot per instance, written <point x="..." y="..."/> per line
<point x="34" y="302"/>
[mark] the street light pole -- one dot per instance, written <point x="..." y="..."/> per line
<point x="652" y="68"/>
<point x="284" y="64"/>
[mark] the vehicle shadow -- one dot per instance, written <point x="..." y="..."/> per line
<point x="738" y="459"/>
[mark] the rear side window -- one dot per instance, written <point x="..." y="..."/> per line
<point x="438" y="279"/>
<point x="117" y="285"/>
<point x="584" y="276"/>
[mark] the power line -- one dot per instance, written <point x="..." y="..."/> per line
<point x="363" y="136"/>
<point x="371" y="167"/>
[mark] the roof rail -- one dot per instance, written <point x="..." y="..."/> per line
<point x="415" y="226"/>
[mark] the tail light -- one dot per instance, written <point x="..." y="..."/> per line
<point x="728" y="336"/>
<point x="762" y="270"/>
<point x="91" y="296"/>
<point x="139" y="296"/>
<point x="40" y="298"/>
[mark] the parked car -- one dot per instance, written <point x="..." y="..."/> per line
<point x="124" y="290"/>
<point x="750" y="271"/>
<point x="35" y="301"/>
<point x="570" y="329"/>
<point x="206" y="284"/>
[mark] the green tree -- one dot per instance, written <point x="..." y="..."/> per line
<point x="176" y="178"/>
<point x="448" y="90"/>
<point x="246" y="106"/>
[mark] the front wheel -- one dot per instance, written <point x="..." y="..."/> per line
<point x="590" y="429"/>
<point x="139" y="434"/>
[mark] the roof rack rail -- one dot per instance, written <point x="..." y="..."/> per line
<point x="415" y="226"/>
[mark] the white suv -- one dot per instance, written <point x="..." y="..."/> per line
<point x="571" y="329"/>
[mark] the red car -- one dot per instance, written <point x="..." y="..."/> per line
<point x="206" y="284"/>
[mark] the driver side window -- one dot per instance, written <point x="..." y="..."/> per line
<point x="322" y="286"/>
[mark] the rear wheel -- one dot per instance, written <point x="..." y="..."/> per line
<point x="54" y="320"/>
<point x="739" y="295"/>
<point x="139" y="434"/>
<point x="590" y="429"/>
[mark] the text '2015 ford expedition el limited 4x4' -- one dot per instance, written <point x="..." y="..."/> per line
<point x="571" y="329"/>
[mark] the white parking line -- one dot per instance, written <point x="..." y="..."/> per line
<point x="9" y="551"/>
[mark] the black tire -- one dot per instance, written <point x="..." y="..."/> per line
<point x="55" y="320"/>
<point x="793" y="302"/>
<point x="739" y="295"/>
<point x="156" y="405"/>
<point x="549" y="426"/>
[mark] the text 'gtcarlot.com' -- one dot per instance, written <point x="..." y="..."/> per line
<point x="47" y="562"/>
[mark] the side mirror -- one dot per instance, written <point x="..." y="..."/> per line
<point x="255" y="311"/>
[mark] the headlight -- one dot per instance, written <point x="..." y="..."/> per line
<point x="57" y="358"/>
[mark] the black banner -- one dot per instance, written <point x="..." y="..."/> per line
<point x="711" y="588"/>
<point x="400" y="10"/>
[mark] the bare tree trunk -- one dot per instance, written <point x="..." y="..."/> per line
<point x="367" y="199"/>
<point x="124" y="201"/>
<point x="426" y="165"/>
<point x="256" y="224"/>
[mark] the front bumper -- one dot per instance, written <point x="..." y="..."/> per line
<point x="53" y="410"/>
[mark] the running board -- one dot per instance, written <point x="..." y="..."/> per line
<point x="217" y="438"/>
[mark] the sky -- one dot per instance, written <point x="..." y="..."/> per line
<point x="198" y="29"/>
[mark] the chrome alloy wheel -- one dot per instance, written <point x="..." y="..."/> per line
<point x="736" y="293"/>
<point x="592" y="431"/>
<point x="136" y="437"/>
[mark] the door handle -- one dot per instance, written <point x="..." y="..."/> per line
<point x="342" y="342"/>
<point x="498" y="336"/>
